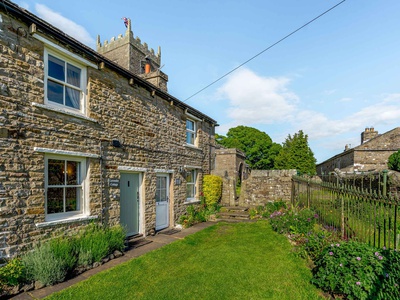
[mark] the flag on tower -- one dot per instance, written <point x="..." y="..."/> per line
<point x="125" y="21"/>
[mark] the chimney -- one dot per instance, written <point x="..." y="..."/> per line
<point x="369" y="133"/>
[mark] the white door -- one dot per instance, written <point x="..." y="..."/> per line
<point x="129" y="202"/>
<point x="162" y="201"/>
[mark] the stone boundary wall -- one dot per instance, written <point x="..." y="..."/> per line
<point x="264" y="186"/>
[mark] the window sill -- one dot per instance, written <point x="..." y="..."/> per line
<point x="192" y="146"/>
<point x="59" y="110"/>
<point x="65" y="221"/>
<point x="192" y="202"/>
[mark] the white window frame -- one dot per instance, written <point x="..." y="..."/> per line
<point x="193" y="184"/>
<point x="190" y="131"/>
<point x="83" y="81"/>
<point x="83" y="173"/>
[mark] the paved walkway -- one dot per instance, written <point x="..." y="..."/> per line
<point x="157" y="241"/>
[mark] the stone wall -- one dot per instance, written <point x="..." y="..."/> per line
<point x="264" y="186"/>
<point x="151" y="130"/>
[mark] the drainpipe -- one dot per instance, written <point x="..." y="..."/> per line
<point x="101" y="183"/>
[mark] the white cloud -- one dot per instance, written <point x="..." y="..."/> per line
<point x="257" y="100"/>
<point x="66" y="25"/>
<point x="346" y="99"/>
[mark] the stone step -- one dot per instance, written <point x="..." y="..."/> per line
<point x="234" y="208"/>
<point x="234" y="215"/>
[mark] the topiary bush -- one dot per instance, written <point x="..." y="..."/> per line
<point x="212" y="189"/>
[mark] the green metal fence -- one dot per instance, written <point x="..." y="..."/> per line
<point x="370" y="215"/>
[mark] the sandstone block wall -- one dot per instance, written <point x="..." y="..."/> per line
<point x="151" y="130"/>
<point x="264" y="186"/>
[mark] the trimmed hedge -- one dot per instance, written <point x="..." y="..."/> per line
<point x="212" y="189"/>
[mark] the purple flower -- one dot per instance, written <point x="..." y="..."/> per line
<point x="308" y="220"/>
<point x="358" y="258"/>
<point x="337" y="245"/>
<point x="384" y="248"/>
<point x="341" y="265"/>
<point x="316" y="216"/>
<point x="358" y="283"/>
<point x="387" y="275"/>
<point x="380" y="257"/>
<point x="330" y="253"/>
<point x="376" y="253"/>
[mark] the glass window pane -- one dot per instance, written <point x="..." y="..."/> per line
<point x="72" y="173"/>
<point x="163" y="195"/>
<point x="158" y="195"/>
<point x="55" y="201"/>
<point x="72" y="98"/>
<point x="56" y="68"/>
<point x="72" y="199"/>
<point x="55" y="92"/>
<point x="189" y="191"/>
<point x="189" y="176"/>
<point x="74" y="75"/>
<point x="56" y="172"/>
<point x="189" y="138"/>
<point x="190" y="125"/>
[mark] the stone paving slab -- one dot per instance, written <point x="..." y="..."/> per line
<point x="158" y="241"/>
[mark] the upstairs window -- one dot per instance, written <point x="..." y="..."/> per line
<point x="190" y="132"/>
<point x="64" y="82"/>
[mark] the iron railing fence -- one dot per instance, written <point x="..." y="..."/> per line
<point x="369" y="215"/>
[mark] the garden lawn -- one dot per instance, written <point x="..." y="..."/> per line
<point x="225" y="261"/>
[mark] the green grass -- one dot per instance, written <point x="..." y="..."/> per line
<point x="225" y="261"/>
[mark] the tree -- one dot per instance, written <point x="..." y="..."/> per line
<point x="296" y="154"/>
<point x="257" y="145"/>
<point x="394" y="161"/>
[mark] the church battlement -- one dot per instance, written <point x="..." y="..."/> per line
<point x="128" y="39"/>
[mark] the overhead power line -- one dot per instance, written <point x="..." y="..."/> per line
<point x="266" y="49"/>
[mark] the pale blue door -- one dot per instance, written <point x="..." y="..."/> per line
<point x="162" y="202"/>
<point x="129" y="202"/>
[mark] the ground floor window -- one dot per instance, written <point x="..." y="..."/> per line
<point x="191" y="176"/>
<point x="64" y="182"/>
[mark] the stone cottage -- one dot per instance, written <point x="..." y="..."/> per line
<point x="90" y="135"/>
<point x="371" y="155"/>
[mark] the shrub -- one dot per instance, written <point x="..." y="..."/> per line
<point x="12" y="273"/>
<point x="313" y="243"/>
<point x="116" y="238"/>
<point x="389" y="282"/>
<point x="212" y="189"/>
<point x="64" y="249"/>
<point x="197" y="214"/>
<point x="42" y="265"/>
<point x="295" y="222"/>
<point x="349" y="268"/>
<point x="394" y="161"/>
<point x="93" y="244"/>
<point x="266" y="210"/>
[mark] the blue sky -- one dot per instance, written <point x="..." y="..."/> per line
<point x="331" y="79"/>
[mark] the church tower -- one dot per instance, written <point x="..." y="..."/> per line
<point x="129" y="52"/>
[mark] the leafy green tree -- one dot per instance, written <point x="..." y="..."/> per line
<point x="394" y="161"/>
<point x="296" y="154"/>
<point x="258" y="146"/>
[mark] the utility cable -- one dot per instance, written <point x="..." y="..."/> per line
<point x="266" y="49"/>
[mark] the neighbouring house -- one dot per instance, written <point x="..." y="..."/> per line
<point x="90" y="135"/>
<point x="371" y="155"/>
